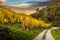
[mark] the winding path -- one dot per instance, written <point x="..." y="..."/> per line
<point x="40" y="36"/>
<point x="48" y="34"/>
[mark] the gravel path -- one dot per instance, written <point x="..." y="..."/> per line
<point x="40" y="36"/>
<point x="48" y="34"/>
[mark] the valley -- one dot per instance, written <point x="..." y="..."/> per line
<point x="27" y="11"/>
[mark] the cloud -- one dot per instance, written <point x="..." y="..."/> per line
<point x="22" y="5"/>
<point x="44" y="0"/>
<point x="3" y="0"/>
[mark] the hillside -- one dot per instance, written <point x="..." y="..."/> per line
<point x="50" y="14"/>
<point x="15" y="26"/>
<point x="9" y="17"/>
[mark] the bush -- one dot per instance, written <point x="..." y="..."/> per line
<point x="5" y="34"/>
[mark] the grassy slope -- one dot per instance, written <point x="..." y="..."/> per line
<point x="56" y="34"/>
<point x="19" y="34"/>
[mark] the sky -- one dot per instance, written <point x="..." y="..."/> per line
<point x="20" y="1"/>
<point x="16" y="1"/>
<point x="18" y="4"/>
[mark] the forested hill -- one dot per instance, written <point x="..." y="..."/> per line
<point x="51" y="13"/>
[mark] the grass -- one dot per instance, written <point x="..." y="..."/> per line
<point x="19" y="34"/>
<point x="56" y="34"/>
<point x="23" y="35"/>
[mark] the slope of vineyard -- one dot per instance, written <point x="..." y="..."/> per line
<point x="9" y="17"/>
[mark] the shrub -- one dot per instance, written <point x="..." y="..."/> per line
<point x="5" y="34"/>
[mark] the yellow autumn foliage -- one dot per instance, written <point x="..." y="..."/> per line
<point x="28" y="21"/>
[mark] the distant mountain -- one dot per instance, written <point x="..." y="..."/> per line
<point x="39" y="3"/>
